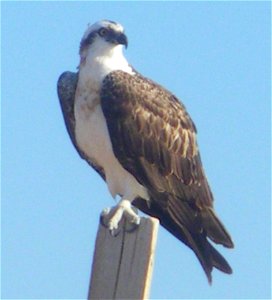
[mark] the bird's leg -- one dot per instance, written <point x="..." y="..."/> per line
<point x="111" y="217"/>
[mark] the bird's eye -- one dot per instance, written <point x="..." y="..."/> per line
<point x="102" y="31"/>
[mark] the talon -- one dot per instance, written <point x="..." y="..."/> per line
<point x="132" y="226"/>
<point x="105" y="211"/>
<point x="105" y="217"/>
<point x="111" y="217"/>
<point x="132" y="216"/>
<point x="114" y="232"/>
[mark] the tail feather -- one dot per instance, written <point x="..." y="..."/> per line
<point x="207" y="255"/>
<point x="219" y="261"/>
<point x="215" y="229"/>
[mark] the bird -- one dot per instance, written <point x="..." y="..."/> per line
<point x="141" y="140"/>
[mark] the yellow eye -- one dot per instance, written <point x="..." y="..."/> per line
<point x="102" y="31"/>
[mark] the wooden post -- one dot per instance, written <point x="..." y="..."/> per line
<point x="122" y="265"/>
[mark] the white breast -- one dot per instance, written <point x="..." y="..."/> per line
<point x="93" y="138"/>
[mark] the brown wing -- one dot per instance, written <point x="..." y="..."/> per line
<point x="66" y="88"/>
<point x="154" y="138"/>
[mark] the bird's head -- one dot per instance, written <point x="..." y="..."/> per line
<point x="102" y="37"/>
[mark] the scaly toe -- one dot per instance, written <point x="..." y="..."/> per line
<point x="112" y="217"/>
<point x="105" y="217"/>
<point x="132" y="225"/>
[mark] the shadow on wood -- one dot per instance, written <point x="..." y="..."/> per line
<point x="122" y="265"/>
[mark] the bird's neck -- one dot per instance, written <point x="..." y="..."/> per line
<point x="95" y="64"/>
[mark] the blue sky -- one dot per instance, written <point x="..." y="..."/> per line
<point x="215" y="56"/>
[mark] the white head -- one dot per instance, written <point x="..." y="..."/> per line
<point x="102" y="38"/>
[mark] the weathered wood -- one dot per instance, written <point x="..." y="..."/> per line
<point x="122" y="265"/>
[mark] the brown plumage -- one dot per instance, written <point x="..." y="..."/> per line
<point x="154" y="138"/>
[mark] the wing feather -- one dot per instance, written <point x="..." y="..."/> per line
<point x="157" y="129"/>
<point x="154" y="138"/>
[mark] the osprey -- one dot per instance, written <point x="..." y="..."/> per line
<point x="139" y="137"/>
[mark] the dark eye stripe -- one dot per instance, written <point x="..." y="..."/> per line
<point x="89" y="39"/>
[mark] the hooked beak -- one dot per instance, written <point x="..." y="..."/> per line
<point x="122" y="39"/>
<point x="118" y="39"/>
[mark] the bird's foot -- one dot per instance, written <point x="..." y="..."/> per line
<point x="111" y="217"/>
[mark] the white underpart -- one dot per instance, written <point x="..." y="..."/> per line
<point x="91" y="130"/>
